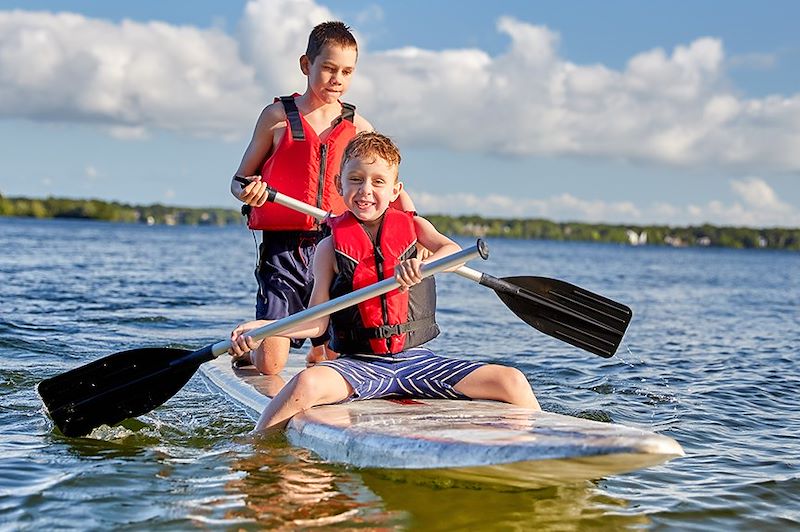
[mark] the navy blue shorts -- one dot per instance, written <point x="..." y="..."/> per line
<point x="417" y="372"/>
<point x="285" y="274"/>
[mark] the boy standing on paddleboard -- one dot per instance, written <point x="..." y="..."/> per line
<point x="296" y="149"/>
<point x="379" y="340"/>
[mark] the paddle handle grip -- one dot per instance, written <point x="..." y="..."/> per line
<point x="480" y="249"/>
<point x="300" y="206"/>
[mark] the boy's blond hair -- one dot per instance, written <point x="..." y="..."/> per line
<point x="329" y="33"/>
<point x="371" y="145"/>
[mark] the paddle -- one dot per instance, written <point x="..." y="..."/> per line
<point x="556" y="308"/>
<point x="131" y="383"/>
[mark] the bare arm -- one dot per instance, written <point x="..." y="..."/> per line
<point x="431" y="238"/>
<point x="408" y="272"/>
<point x="271" y="120"/>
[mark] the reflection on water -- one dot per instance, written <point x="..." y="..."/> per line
<point x="285" y="487"/>
<point x="280" y="487"/>
<point x="444" y="506"/>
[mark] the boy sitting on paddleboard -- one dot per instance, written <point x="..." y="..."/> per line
<point x="379" y="340"/>
<point x="296" y="148"/>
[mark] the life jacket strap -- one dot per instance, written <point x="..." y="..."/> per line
<point x="384" y="331"/>
<point x="293" y="116"/>
<point x="348" y="112"/>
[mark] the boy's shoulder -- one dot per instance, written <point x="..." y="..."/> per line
<point x="362" y="124"/>
<point x="273" y="113"/>
<point x="325" y="254"/>
<point x="325" y="245"/>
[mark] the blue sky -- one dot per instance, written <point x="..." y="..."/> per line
<point x="624" y="112"/>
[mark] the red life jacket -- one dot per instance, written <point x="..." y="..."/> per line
<point x="304" y="168"/>
<point x="394" y="321"/>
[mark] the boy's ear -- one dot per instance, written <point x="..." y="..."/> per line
<point x="337" y="179"/>
<point x="305" y="64"/>
<point x="398" y="186"/>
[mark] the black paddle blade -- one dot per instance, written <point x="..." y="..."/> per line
<point x="117" y="387"/>
<point x="565" y="311"/>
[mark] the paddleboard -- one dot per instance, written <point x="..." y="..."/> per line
<point x="478" y="442"/>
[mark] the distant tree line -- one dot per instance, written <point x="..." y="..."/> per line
<point x="703" y="235"/>
<point x="116" y="212"/>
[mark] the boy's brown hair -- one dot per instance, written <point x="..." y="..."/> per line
<point x="372" y="145"/>
<point x="329" y="33"/>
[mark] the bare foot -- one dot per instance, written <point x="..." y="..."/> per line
<point x="320" y="353"/>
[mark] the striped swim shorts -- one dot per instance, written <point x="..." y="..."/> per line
<point x="416" y="372"/>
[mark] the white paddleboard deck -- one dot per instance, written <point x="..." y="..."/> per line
<point x="470" y="441"/>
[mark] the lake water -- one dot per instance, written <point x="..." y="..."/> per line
<point x="710" y="359"/>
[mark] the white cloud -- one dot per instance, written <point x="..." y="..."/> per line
<point x="759" y="207"/>
<point x="369" y="15"/>
<point x="128" y="76"/>
<point x="669" y="109"/>
<point x="753" y="61"/>
<point x="128" y="132"/>
<point x="560" y="207"/>
<point x="272" y="36"/>
<point x="665" y="107"/>
<point x="757" y="193"/>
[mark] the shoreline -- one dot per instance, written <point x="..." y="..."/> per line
<point x="705" y="235"/>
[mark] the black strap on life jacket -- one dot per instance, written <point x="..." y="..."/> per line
<point x="293" y="116"/>
<point x="384" y="331"/>
<point x="348" y="112"/>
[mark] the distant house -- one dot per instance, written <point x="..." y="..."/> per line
<point x="674" y="241"/>
<point x="636" y="239"/>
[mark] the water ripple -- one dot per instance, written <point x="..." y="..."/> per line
<point x="709" y="359"/>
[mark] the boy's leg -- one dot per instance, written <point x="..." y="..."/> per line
<point x="498" y="383"/>
<point x="271" y="355"/>
<point x="314" y="386"/>
<point x="285" y="283"/>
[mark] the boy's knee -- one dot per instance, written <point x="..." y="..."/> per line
<point x="269" y="358"/>
<point x="515" y="380"/>
<point x="309" y="387"/>
<point x="305" y="382"/>
<point x="511" y="382"/>
<point x="319" y="385"/>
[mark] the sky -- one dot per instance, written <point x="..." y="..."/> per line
<point x="624" y="111"/>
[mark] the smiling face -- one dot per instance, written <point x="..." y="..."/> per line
<point x="330" y="73"/>
<point x="368" y="185"/>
